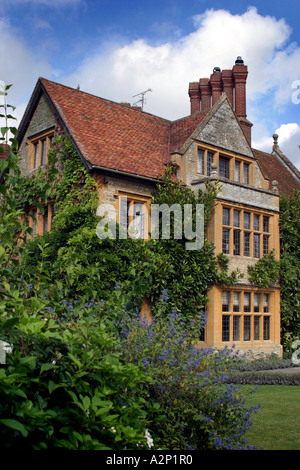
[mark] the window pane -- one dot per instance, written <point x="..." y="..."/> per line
<point x="256" y="245"/>
<point x="256" y="302"/>
<point x="34" y="223"/>
<point x="226" y="328"/>
<point x="236" y="242"/>
<point x="236" y="328"/>
<point x="225" y="241"/>
<point x="138" y="221"/>
<point x="236" y="301"/>
<point x="226" y="216"/>
<point x="256" y="327"/>
<point x="247" y="301"/>
<point x="201" y="161"/>
<point x="265" y="245"/>
<point x="246" y="173"/>
<point x="224" y="167"/>
<point x="36" y="155"/>
<point x="45" y="220"/>
<point x="43" y="155"/>
<point x="209" y="162"/>
<point x="225" y="301"/>
<point x="266" y="302"/>
<point x="247" y="328"/>
<point x="255" y="222"/>
<point x="247" y="220"/>
<point x="266" y="328"/>
<point x="246" y="243"/>
<point x="202" y="334"/>
<point x="265" y="224"/>
<point x="236" y="218"/>
<point x="237" y="171"/>
<point x="124" y="212"/>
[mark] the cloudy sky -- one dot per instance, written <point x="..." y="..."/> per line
<point x="119" y="48"/>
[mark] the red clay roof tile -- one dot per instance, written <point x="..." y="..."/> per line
<point x="274" y="169"/>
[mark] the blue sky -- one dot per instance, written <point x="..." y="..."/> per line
<point x="116" y="49"/>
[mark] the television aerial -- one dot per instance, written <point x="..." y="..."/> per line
<point x="142" y="98"/>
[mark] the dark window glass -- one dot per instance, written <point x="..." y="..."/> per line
<point x="246" y="173"/>
<point x="266" y="328"/>
<point x="255" y="222"/>
<point x="225" y="241"/>
<point x="224" y="167"/>
<point x="247" y="328"/>
<point x="236" y="328"/>
<point x="236" y="242"/>
<point x="256" y="245"/>
<point x="246" y="243"/>
<point x="226" y="328"/>
<point x="226" y="216"/>
<point x="247" y="220"/>
<point x="256" y="327"/>
<point x="209" y="162"/>
<point x="265" y="224"/>
<point x="265" y="245"/>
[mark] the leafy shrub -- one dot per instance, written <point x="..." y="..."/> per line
<point x="202" y="411"/>
<point x="65" y="384"/>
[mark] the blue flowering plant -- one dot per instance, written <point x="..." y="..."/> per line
<point x="202" y="410"/>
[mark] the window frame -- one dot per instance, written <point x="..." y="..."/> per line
<point x="39" y="146"/>
<point x="131" y="201"/>
<point x="248" y="324"/>
<point x="252" y="241"/>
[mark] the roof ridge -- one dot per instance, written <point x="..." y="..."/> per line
<point x="75" y="90"/>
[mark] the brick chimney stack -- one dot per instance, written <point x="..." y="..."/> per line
<point x="228" y="84"/>
<point x="240" y="72"/>
<point x="194" y="94"/>
<point x="216" y="85"/>
<point x="205" y="93"/>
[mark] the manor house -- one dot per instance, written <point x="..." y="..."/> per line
<point x="127" y="149"/>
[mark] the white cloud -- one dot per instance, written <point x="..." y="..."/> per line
<point x="218" y="38"/>
<point x="118" y="70"/>
<point x="288" y="141"/>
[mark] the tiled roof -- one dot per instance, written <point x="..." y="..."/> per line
<point x="114" y="135"/>
<point x="274" y="169"/>
<point x="119" y="137"/>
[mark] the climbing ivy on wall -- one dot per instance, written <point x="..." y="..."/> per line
<point x="290" y="268"/>
<point x="265" y="272"/>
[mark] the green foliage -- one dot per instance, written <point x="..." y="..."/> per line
<point x="265" y="272"/>
<point x="64" y="383"/>
<point x="69" y="380"/>
<point x="202" y="412"/>
<point x="290" y="268"/>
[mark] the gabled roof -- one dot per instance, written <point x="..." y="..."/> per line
<point x="116" y="136"/>
<point x="112" y="135"/>
<point x="274" y="168"/>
